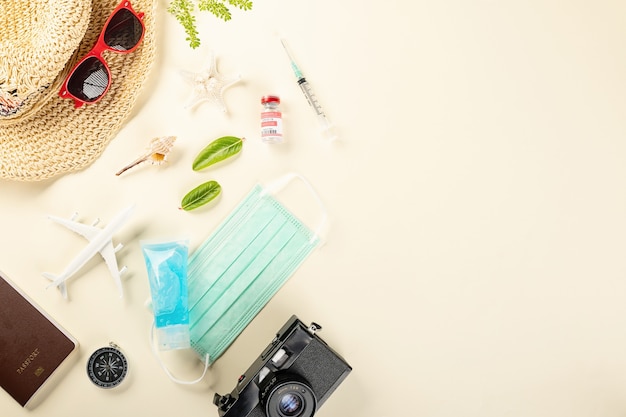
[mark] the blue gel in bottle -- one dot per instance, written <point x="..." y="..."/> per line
<point x="166" y="263"/>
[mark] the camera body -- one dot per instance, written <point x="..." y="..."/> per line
<point x="294" y="375"/>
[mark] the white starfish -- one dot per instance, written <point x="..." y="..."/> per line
<point x="208" y="85"/>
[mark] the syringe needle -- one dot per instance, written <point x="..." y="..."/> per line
<point x="294" y="67"/>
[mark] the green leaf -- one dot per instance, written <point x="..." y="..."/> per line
<point x="200" y="195"/>
<point x="183" y="11"/>
<point x="217" y="151"/>
<point x="242" y="4"/>
<point x="218" y="8"/>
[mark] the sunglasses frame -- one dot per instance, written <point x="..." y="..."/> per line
<point x="97" y="52"/>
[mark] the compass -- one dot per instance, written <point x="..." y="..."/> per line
<point x="107" y="367"/>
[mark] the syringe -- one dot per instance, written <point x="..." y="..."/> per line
<point x="326" y="126"/>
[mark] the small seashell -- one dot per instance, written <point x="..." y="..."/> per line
<point x="156" y="155"/>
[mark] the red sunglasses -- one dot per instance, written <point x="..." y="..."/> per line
<point x="90" y="78"/>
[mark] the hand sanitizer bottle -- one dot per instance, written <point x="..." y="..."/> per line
<point x="167" y="273"/>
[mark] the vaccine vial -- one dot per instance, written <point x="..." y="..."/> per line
<point x="271" y="120"/>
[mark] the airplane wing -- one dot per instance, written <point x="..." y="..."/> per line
<point x="108" y="254"/>
<point x="88" y="232"/>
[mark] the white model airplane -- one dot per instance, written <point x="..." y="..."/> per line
<point x="100" y="240"/>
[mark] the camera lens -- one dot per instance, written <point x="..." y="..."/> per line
<point x="290" y="404"/>
<point x="289" y="397"/>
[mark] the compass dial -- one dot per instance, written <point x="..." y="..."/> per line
<point x="107" y="367"/>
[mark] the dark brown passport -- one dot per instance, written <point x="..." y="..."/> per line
<point x="32" y="346"/>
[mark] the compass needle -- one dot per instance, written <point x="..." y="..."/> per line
<point x="107" y="367"/>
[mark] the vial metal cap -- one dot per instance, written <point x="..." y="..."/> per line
<point x="270" y="99"/>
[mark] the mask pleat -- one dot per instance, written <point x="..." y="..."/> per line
<point x="202" y="256"/>
<point x="234" y="275"/>
<point x="266" y="283"/>
<point x="228" y="253"/>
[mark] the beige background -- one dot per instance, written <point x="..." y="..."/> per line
<point x="474" y="263"/>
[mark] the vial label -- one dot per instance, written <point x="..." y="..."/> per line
<point x="271" y="126"/>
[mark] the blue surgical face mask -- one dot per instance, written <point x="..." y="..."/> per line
<point x="236" y="271"/>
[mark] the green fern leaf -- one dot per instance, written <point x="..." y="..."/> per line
<point x="183" y="12"/>
<point x="216" y="7"/>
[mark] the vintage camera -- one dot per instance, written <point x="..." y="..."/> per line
<point x="292" y="377"/>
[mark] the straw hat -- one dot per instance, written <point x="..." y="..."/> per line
<point x="42" y="135"/>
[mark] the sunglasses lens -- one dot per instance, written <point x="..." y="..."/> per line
<point x="89" y="80"/>
<point x="123" y="31"/>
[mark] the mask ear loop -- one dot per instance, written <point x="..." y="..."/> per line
<point x="280" y="183"/>
<point x="167" y="371"/>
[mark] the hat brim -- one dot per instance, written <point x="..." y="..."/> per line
<point x="60" y="138"/>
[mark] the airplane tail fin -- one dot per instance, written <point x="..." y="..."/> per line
<point x="54" y="278"/>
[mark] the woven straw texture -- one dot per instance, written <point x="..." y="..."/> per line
<point x="59" y="138"/>
<point x="37" y="38"/>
